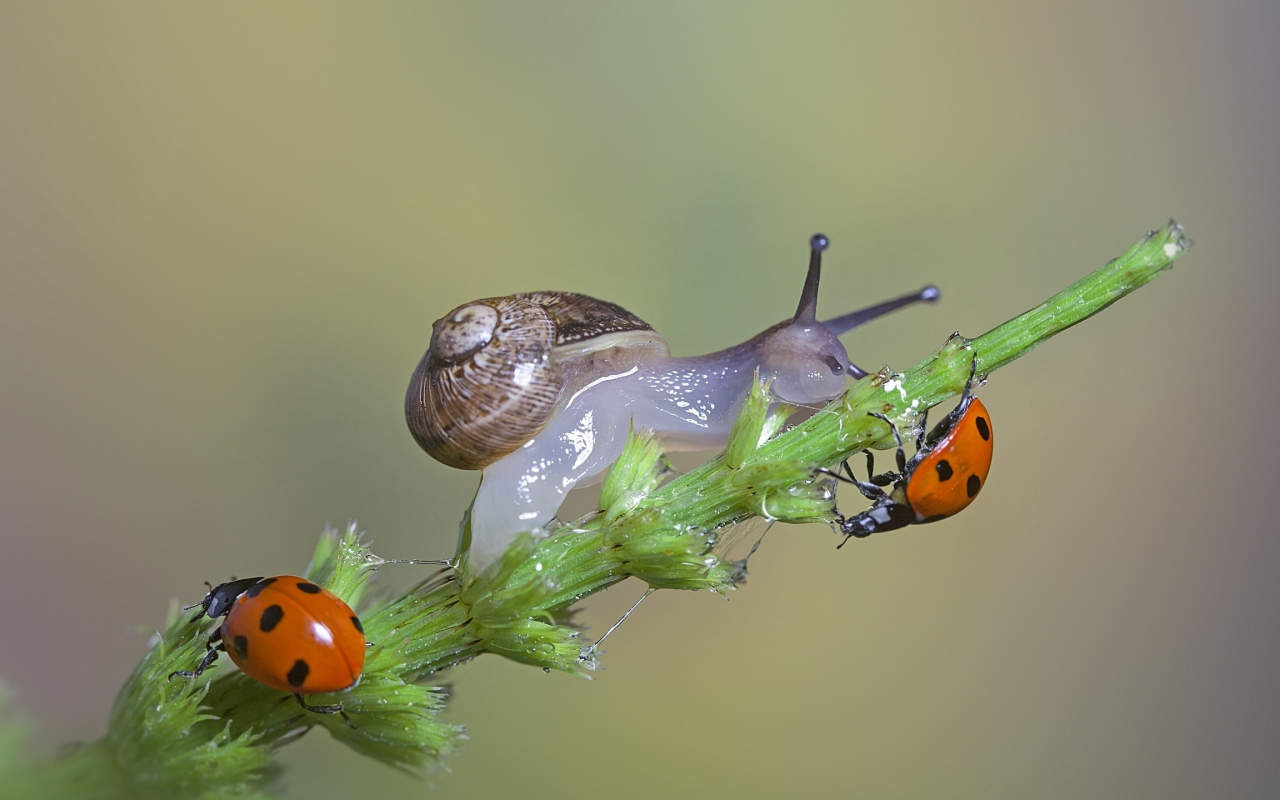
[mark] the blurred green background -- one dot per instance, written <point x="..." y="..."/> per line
<point x="225" y="232"/>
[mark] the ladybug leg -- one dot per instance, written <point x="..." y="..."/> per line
<point x="212" y="648"/>
<point x="900" y="455"/>
<point x="883" y="479"/>
<point x="859" y="525"/>
<point x="333" y="709"/>
<point x="869" y="490"/>
<point x="922" y="443"/>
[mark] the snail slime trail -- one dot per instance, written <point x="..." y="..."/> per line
<point x="539" y="392"/>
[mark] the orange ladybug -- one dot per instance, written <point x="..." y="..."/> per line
<point x="288" y="633"/>
<point x="946" y="473"/>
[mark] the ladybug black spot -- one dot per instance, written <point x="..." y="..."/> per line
<point x="271" y="618"/>
<point x="309" y="588"/>
<point x="253" y="590"/>
<point x="298" y="673"/>
<point x="984" y="430"/>
<point x="241" y="645"/>
<point x="973" y="485"/>
<point x="944" y="470"/>
<point x="356" y="621"/>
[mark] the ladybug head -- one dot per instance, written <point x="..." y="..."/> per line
<point x="217" y="603"/>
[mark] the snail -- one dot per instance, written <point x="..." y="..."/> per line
<point x="540" y="391"/>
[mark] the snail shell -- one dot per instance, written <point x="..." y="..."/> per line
<point x="497" y="368"/>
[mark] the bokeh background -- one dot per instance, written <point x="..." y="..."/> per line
<point x="225" y="231"/>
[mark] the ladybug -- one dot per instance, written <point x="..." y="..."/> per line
<point x="946" y="473"/>
<point x="288" y="633"/>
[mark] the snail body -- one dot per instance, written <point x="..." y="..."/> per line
<point x="540" y="392"/>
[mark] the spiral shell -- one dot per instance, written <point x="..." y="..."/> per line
<point x="493" y="375"/>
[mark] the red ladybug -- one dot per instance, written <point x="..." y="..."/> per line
<point x="946" y="473"/>
<point x="288" y="633"/>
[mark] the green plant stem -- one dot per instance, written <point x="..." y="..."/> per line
<point x="215" y="738"/>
